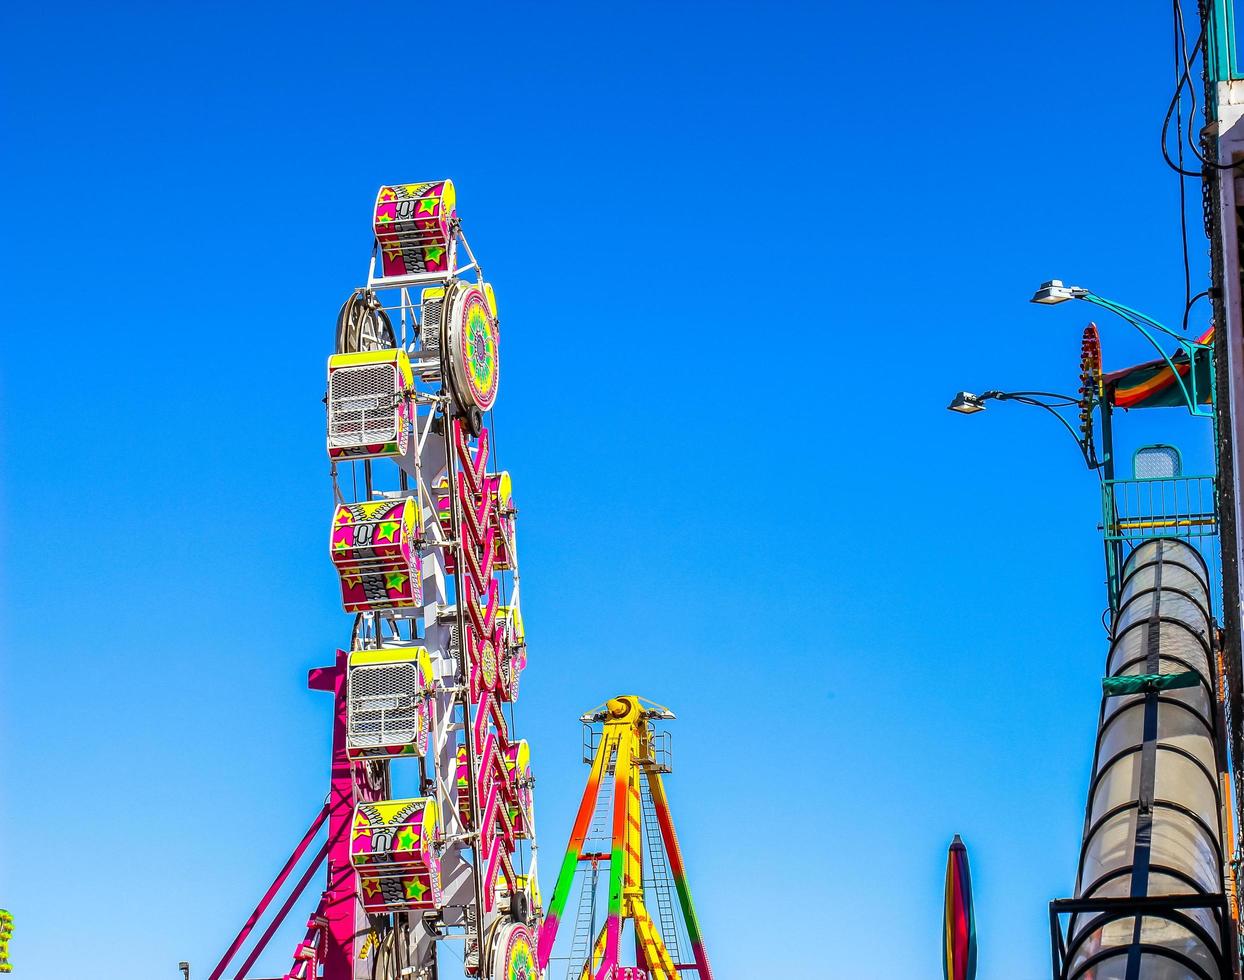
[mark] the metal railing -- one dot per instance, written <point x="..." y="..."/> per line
<point x="1129" y="910"/>
<point x="1162" y="507"/>
<point x="1139" y="510"/>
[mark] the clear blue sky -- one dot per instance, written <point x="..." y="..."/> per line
<point x="744" y="254"/>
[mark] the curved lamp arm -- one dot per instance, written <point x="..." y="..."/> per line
<point x="1050" y="402"/>
<point x="1145" y="324"/>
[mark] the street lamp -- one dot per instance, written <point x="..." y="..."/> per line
<point x="966" y="403"/>
<point x="1054" y="291"/>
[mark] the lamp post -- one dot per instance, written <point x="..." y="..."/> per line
<point x="966" y="403"/>
<point x="1054" y="291"/>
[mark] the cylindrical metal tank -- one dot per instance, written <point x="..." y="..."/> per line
<point x="1152" y="826"/>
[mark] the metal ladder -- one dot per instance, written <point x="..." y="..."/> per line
<point x="600" y="831"/>
<point x="584" y="924"/>
<point x="658" y="879"/>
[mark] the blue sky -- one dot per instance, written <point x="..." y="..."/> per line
<point x="744" y="254"/>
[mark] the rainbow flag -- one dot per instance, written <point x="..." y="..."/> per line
<point x="1153" y="384"/>
<point x="959" y="926"/>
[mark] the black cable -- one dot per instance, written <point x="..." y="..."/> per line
<point x="1051" y="403"/>
<point x="1181" y="43"/>
<point x="1176" y="100"/>
<point x="1186" y="79"/>
<point x="1056" y="399"/>
<point x="1044" y="404"/>
<point x="1191" y="303"/>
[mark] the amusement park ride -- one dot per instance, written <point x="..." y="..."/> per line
<point x="423" y="541"/>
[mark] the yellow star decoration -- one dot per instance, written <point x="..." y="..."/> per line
<point x="387" y="530"/>
<point x="371" y="887"/>
<point x="415" y="889"/>
<point x="383" y="219"/>
<point x="344" y="516"/>
<point x="388" y="194"/>
<point x="341" y="544"/>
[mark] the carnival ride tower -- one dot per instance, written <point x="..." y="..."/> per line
<point x="625" y="827"/>
<point x="430" y="821"/>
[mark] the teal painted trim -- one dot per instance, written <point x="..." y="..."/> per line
<point x="1191" y="348"/>
<point x="1220" y="49"/>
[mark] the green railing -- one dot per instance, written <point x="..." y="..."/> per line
<point x="1134" y="511"/>
<point x="1159" y="507"/>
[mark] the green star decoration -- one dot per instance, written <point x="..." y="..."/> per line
<point x="395" y="581"/>
<point x="387" y="530"/>
<point x="406" y="840"/>
<point x="415" y="889"/>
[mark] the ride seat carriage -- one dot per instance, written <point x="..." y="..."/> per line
<point x="392" y="849"/>
<point x="500" y="512"/>
<point x="389" y="703"/>
<point x="515" y="783"/>
<point x="374" y="545"/>
<point x="369" y="404"/>
<point x="415" y="226"/>
<point x="511" y="642"/>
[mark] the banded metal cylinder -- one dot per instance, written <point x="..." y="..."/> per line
<point x="1153" y="821"/>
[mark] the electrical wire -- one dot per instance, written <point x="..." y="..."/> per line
<point x="1181" y="45"/>
<point x="1186" y="79"/>
<point x="1052" y="398"/>
<point x="1191" y="303"/>
<point x="1051" y="402"/>
<point x="1176" y="98"/>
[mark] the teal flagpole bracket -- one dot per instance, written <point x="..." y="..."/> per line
<point x="1194" y="351"/>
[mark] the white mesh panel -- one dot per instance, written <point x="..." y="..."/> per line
<point x="363" y="405"/>
<point x="1156" y="462"/>
<point x="383" y="706"/>
<point x="430" y="326"/>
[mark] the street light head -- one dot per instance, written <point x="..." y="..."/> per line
<point x="1054" y="292"/>
<point x="966" y="403"/>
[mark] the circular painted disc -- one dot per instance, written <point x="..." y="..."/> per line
<point x="514" y="954"/>
<point x="488" y="665"/>
<point x="474" y="349"/>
